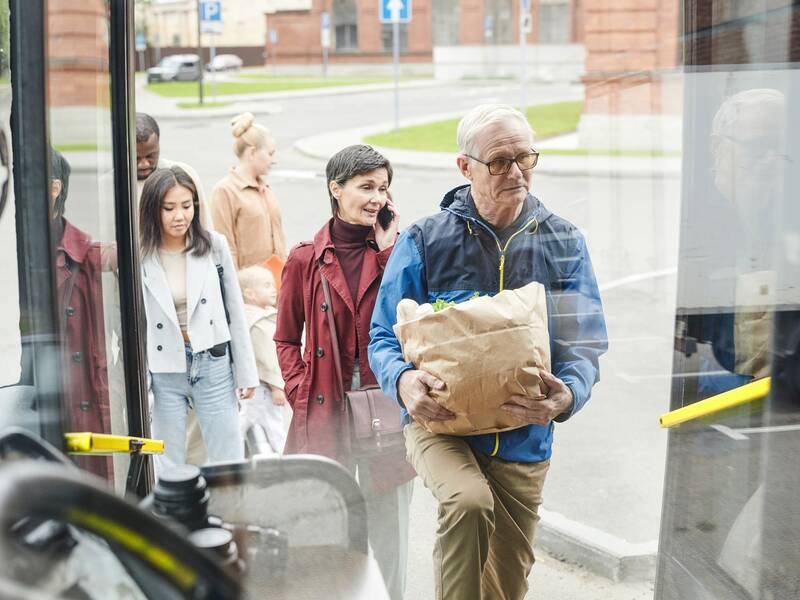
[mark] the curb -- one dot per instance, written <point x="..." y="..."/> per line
<point x="323" y="146"/>
<point x="602" y="553"/>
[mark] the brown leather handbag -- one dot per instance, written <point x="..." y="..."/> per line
<point x="374" y="420"/>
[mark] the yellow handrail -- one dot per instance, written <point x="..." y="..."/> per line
<point x="85" y="442"/>
<point x="747" y="393"/>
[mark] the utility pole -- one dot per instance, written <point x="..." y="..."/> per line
<point x="200" y="51"/>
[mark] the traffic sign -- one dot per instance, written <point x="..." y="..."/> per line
<point x="211" y="16"/>
<point x="325" y="29"/>
<point x="395" y="11"/>
<point x="141" y="43"/>
<point x="273" y="36"/>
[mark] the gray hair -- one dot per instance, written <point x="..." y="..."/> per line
<point x="353" y="161"/>
<point x="480" y="117"/>
<point x="762" y="100"/>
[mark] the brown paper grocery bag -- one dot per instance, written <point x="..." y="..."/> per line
<point x="485" y="350"/>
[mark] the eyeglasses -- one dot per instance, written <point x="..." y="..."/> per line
<point x="501" y="166"/>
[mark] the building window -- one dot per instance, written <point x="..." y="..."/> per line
<point x="499" y="18"/>
<point x="554" y="25"/>
<point x="176" y="40"/>
<point x="387" y="40"/>
<point x="345" y="25"/>
<point x="346" y="37"/>
<point x="444" y="22"/>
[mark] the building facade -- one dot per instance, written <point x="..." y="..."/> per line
<point x="170" y="27"/>
<point x="356" y="34"/>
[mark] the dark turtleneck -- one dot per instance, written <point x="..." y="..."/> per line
<point x="350" y="242"/>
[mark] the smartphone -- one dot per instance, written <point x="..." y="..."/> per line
<point x="385" y="217"/>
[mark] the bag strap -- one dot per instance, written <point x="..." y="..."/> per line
<point x="337" y="359"/>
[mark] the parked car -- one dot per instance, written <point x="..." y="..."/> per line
<point x="224" y="62"/>
<point x="178" y="67"/>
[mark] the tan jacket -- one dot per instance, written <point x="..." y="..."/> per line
<point x="205" y="212"/>
<point x="262" y="330"/>
<point x="245" y="211"/>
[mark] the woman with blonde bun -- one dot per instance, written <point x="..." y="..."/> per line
<point x="243" y="207"/>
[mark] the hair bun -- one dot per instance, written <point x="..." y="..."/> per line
<point x="241" y="123"/>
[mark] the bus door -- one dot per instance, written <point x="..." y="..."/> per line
<point x="730" y="519"/>
<point x="69" y="320"/>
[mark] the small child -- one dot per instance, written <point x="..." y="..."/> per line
<point x="267" y="409"/>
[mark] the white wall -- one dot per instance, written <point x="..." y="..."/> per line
<point x="550" y="62"/>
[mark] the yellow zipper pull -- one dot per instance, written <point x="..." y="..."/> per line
<point x="502" y="267"/>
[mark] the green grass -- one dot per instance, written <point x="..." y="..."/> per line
<point x="547" y="120"/>
<point x="203" y="105"/>
<point x="187" y="89"/>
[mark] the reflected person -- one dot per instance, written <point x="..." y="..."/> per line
<point x="79" y="266"/>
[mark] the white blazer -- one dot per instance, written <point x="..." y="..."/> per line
<point x="205" y="313"/>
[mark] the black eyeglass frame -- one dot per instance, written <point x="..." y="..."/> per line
<point x="508" y="162"/>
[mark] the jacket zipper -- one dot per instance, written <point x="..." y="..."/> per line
<point x="502" y="250"/>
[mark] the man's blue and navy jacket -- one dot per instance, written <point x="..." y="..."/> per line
<point x="453" y="254"/>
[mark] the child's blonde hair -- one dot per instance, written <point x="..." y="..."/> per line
<point x="251" y="277"/>
<point x="246" y="133"/>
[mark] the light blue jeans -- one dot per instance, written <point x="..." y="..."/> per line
<point x="208" y="384"/>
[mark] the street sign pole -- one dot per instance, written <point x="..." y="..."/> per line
<point x="396" y="58"/>
<point x="524" y="29"/>
<point x="200" y="51"/>
<point x="212" y="54"/>
<point x="325" y="39"/>
<point x="395" y="12"/>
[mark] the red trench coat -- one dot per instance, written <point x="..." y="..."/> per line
<point x="85" y="370"/>
<point x="318" y="425"/>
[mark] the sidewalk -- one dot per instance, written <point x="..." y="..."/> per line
<point x="266" y="103"/>
<point x="323" y="146"/>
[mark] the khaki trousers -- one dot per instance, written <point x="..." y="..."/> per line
<point x="488" y="509"/>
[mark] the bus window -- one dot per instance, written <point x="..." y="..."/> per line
<point x="62" y="340"/>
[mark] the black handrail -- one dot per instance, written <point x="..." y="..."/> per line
<point x="130" y="289"/>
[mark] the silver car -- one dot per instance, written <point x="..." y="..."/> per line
<point x="178" y="67"/>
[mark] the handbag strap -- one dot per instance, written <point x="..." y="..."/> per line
<point x="337" y="359"/>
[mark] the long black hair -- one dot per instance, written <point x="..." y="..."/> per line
<point x="155" y="188"/>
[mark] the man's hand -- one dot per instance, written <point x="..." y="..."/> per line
<point x="540" y="411"/>
<point x="278" y="395"/>
<point x="413" y="387"/>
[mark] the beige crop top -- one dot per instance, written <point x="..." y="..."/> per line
<point x="174" y="264"/>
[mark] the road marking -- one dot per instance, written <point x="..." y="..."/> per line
<point x="731" y="433"/>
<point x="739" y="434"/>
<point x="634" y="378"/>
<point x="296" y="174"/>
<point x="637" y="278"/>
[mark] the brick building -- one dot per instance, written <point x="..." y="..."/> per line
<point x="633" y="88"/>
<point x="358" y="36"/>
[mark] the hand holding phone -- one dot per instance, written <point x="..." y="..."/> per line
<point x="387" y="226"/>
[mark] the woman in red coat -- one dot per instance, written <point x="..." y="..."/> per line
<point x="351" y="250"/>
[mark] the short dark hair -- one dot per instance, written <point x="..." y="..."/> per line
<point x="350" y="162"/>
<point x="60" y="169"/>
<point x="155" y="188"/>
<point x="146" y="126"/>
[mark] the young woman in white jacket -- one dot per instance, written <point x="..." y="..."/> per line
<point x="191" y="341"/>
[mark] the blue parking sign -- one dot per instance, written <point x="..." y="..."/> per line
<point x="390" y="8"/>
<point x="211" y="10"/>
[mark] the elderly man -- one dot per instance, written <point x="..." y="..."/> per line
<point x="490" y="235"/>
